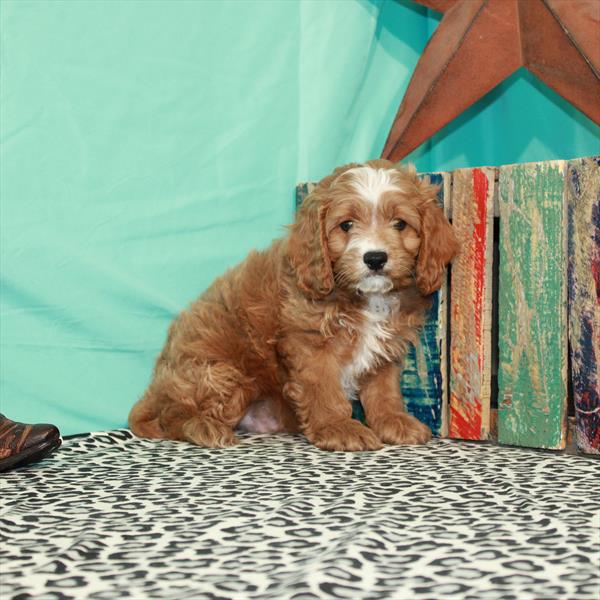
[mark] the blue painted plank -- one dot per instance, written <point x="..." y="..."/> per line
<point x="423" y="382"/>
<point x="583" y="205"/>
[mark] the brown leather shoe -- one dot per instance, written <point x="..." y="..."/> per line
<point x="22" y="444"/>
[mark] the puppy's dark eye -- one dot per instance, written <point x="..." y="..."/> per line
<point x="400" y="225"/>
<point x="346" y="225"/>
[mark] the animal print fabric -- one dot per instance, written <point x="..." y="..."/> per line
<point x="111" y="516"/>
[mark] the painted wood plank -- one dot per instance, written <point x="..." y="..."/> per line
<point x="423" y="381"/>
<point x="444" y="320"/>
<point x="303" y="190"/>
<point x="583" y="206"/>
<point x="471" y="309"/>
<point x="532" y="334"/>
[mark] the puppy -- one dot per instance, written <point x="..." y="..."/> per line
<point x="285" y="340"/>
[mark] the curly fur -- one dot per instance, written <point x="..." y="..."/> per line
<point x="282" y="341"/>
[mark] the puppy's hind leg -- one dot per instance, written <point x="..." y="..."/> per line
<point x="207" y="417"/>
<point x="143" y="419"/>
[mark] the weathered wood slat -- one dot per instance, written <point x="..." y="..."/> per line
<point x="471" y="309"/>
<point x="444" y="320"/>
<point x="532" y="373"/>
<point x="423" y="381"/>
<point x="583" y="205"/>
<point x="303" y="190"/>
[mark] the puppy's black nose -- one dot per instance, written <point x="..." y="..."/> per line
<point x="375" y="260"/>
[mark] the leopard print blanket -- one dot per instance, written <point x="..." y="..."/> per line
<point x="111" y="516"/>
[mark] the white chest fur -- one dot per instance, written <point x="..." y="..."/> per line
<point x="371" y="343"/>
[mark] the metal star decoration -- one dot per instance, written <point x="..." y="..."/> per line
<point x="479" y="43"/>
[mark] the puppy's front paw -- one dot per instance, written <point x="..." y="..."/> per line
<point x="401" y="429"/>
<point x="347" y="435"/>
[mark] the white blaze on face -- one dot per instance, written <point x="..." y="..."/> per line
<point x="372" y="183"/>
<point x="365" y="242"/>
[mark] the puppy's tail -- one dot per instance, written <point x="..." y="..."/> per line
<point x="143" y="420"/>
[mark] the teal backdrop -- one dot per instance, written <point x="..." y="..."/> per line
<point x="147" y="146"/>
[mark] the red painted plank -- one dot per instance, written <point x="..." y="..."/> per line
<point x="471" y="298"/>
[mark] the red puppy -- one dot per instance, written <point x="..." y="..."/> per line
<point x="286" y="339"/>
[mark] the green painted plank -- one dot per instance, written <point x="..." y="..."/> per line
<point x="532" y="373"/>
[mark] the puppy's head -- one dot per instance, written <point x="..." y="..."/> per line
<point x="371" y="228"/>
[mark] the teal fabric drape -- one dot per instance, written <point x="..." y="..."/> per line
<point x="147" y="146"/>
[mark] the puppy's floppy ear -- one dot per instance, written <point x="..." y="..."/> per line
<point x="438" y="243"/>
<point x="307" y="248"/>
<point x="307" y="241"/>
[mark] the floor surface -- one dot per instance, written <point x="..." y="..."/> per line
<point x="111" y="516"/>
